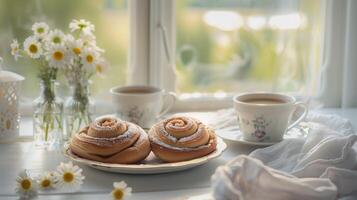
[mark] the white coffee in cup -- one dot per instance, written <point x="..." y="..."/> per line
<point x="265" y="117"/>
<point x="141" y="104"/>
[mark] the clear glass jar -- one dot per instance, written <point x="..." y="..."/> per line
<point x="47" y="116"/>
<point x="79" y="108"/>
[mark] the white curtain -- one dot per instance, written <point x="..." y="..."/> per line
<point x="339" y="70"/>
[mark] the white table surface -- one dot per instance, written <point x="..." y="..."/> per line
<point x="16" y="156"/>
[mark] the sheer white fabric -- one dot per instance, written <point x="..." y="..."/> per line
<point x="338" y="76"/>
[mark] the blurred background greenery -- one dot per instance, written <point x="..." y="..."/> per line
<point x="271" y="45"/>
<point x="221" y="45"/>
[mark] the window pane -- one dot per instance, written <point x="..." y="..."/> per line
<point x="110" y="18"/>
<point x="240" y="45"/>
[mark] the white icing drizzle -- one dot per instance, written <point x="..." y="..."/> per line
<point x="185" y="149"/>
<point x="195" y="135"/>
<point x="108" y="141"/>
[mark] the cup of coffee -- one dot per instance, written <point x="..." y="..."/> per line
<point x="141" y="105"/>
<point x="265" y="117"/>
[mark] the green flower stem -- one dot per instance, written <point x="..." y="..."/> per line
<point x="46" y="128"/>
<point x="80" y="113"/>
<point x="49" y="119"/>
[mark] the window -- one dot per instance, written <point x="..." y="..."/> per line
<point x="111" y="18"/>
<point x="194" y="47"/>
<point x="232" y="46"/>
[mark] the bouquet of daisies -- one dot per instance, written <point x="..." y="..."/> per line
<point x="86" y="61"/>
<point x="45" y="47"/>
<point x="85" y="56"/>
<point x="75" y="54"/>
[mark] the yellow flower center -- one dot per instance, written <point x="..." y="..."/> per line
<point x="89" y="58"/>
<point x="8" y="124"/>
<point x="58" y="55"/>
<point x="81" y="26"/>
<point x="40" y="30"/>
<point x="26" y="184"/>
<point x="45" y="183"/>
<point x="77" y="50"/>
<point x="99" y="68"/>
<point x="68" y="177"/>
<point x="118" y="194"/>
<point x="15" y="49"/>
<point x="56" y="40"/>
<point x="33" y="48"/>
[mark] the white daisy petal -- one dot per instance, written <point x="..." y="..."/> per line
<point x="58" y="57"/>
<point x="40" y="29"/>
<point x="46" y="181"/>
<point x="68" y="177"/>
<point x="15" y="49"/>
<point x="120" y="191"/>
<point x="75" y="46"/>
<point x="33" y="47"/>
<point x="55" y="37"/>
<point x="26" y="187"/>
<point x="128" y="190"/>
<point x="81" y="25"/>
<point x="89" y="58"/>
<point x="89" y="40"/>
<point x="101" y="67"/>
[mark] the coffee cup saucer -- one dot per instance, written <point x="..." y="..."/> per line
<point x="235" y="135"/>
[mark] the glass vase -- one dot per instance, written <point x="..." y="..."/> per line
<point x="79" y="108"/>
<point x="47" y="116"/>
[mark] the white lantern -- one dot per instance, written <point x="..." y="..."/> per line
<point x="9" y="104"/>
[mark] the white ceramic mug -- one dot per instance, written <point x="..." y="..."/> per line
<point x="265" y="117"/>
<point x="141" y="105"/>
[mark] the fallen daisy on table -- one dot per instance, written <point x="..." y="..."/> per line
<point x="68" y="177"/>
<point x="46" y="181"/>
<point x="120" y="191"/>
<point x="26" y="187"/>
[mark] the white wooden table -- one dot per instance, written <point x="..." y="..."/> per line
<point x="20" y="155"/>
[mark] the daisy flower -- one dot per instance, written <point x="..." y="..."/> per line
<point x="81" y="25"/>
<point x="68" y="176"/>
<point x="88" y="39"/>
<point x="89" y="58"/>
<point x="101" y="67"/>
<point x="26" y="187"/>
<point x="40" y="29"/>
<point x="55" y="37"/>
<point x="57" y="56"/>
<point x="120" y="191"/>
<point x="33" y="47"/>
<point x="46" y="181"/>
<point x="15" y="49"/>
<point x="96" y="48"/>
<point x="74" y="45"/>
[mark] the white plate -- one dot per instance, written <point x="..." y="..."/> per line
<point x="151" y="165"/>
<point x="234" y="135"/>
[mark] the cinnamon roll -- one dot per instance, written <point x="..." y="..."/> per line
<point x="111" y="140"/>
<point x="181" y="138"/>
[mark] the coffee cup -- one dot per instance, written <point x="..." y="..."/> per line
<point x="265" y="117"/>
<point x="141" y="105"/>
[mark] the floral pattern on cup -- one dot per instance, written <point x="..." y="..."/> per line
<point x="134" y="114"/>
<point x="259" y="124"/>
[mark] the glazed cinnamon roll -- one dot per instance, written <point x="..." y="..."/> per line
<point x="111" y="140"/>
<point x="181" y="138"/>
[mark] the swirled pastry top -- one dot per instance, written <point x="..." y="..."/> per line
<point x="111" y="140"/>
<point x="180" y="132"/>
<point x="106" y="131"/>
